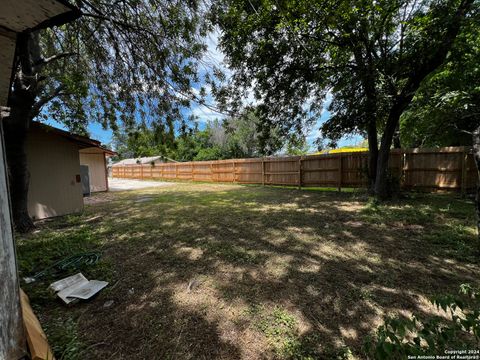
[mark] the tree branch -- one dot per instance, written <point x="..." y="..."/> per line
<point x="45" y="61"/>
<point x="47" y="98"/>
<point x="461" y="130"/>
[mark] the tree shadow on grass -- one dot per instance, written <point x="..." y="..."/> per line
<point x="192" y="262"/>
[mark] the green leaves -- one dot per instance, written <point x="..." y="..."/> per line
<point x="135" y="60"/>
<point x="370" y="55"/>
<point x="399" y="337"/>
<point x="449" y="100"/>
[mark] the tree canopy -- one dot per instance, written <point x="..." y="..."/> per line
<point x="446" y="108"/>
<point x="121" y="62"/>
<point x="232" y="137"/>
<point x="370" y="55"/>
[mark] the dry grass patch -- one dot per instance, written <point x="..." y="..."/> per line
<point x="204" y="271"/>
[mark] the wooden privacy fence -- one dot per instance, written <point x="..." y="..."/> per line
<point x="445" y="168"/>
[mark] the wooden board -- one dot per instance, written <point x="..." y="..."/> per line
<point x="36" y="338"/>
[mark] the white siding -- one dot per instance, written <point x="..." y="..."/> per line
<point x="54" y="164"/>
<point x="95" y="160"/>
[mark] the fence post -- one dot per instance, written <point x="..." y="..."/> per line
<point x="300" y="173"/>
<point x="340" y="171"/>
<point x="464" y="155"/>
<point x="211" y="171"/>
<point x="234" y="172"/>
<point x="176" y="171"/>
<point x="263" y="171"/>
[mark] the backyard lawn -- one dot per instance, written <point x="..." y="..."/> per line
<point x="203" y="271"/>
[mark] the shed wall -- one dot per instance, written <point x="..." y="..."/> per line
<point x="96" y="168"/>
<point x="54" y="164"/>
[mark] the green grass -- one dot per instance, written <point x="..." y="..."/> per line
<point x="454" y="214"/>
<point x="281" y="329"/>
<point x="64" y="338"/>
<point x="279" y="273"/>
<point x="36" y="252"/>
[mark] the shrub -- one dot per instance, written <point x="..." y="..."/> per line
<point x="398" y="338"/>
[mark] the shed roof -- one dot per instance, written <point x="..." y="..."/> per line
<point x="82" y="141"/>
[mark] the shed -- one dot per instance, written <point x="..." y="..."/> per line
<point x="54" y="157"/>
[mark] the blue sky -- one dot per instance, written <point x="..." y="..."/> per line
<point x="204" y="114"/>
<point x="105" y="136"/>
<point x="95" y="130"/>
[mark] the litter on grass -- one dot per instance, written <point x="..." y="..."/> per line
<point x="76" y="287"/>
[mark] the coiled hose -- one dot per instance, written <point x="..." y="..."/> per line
<point x="72" y="262"/>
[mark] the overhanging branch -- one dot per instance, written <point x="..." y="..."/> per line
<point x="46" y="99"/>
<point x="53" y="58"/>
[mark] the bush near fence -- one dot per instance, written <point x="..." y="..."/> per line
<point x="451" y="168"/>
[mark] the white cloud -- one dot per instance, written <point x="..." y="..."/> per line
<point x="213" y="54"/>
<point x="205" y="115"/>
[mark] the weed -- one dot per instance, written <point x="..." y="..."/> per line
<point x="64" y="339"/>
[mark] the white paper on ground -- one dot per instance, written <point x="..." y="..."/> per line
<point x="67" y="282"/>
<point x="88" y="290"/>
<point x="77" y="287"/>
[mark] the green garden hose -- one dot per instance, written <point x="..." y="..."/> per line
<point x="72" y="262"/>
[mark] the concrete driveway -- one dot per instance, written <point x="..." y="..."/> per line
<point x="115" y="184"/>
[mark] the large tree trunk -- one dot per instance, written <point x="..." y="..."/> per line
<point x="15" y="127"/>
<point x="21" y="102"/>
<point x="372" y="154"/>
<point x="396" y="137"/>
<point x="476" y="153"/>
<point x="382" y="191"/>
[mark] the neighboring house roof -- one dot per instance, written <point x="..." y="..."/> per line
<point x="82" y="141"/>
<point x="143" y="160"/>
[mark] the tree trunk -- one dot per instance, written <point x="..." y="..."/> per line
<point x="476" y="153"/>
<point x="21" y="102"/>
<point x="381" y="181"/>
<point x="396" y="137"/>
<point x="382" y="190"/>
<point x="15" y="127"/>
<point x="372" y="154"/>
